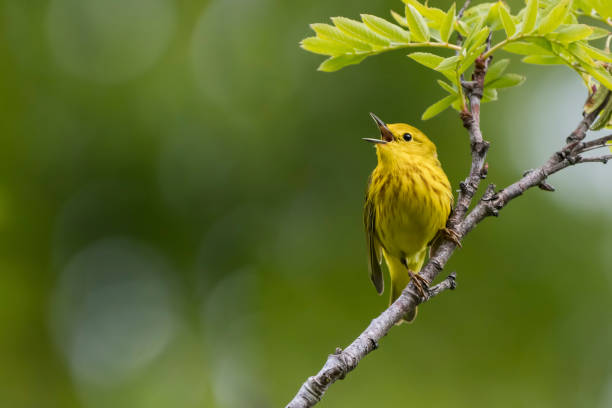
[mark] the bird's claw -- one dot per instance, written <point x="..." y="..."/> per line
<point x="447" y="233"/>
<point x="420" y="283"/>
<point x="452" y="235"/>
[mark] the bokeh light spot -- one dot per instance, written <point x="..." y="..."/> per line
<point x="231" y="313"/>
<point x="237" y="62"/>
<point x="111" y="40"/>
<point x="111" y="310"/>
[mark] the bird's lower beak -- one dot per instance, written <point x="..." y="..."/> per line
<point x="385" y="133"/>
<point x="378" y="141"/>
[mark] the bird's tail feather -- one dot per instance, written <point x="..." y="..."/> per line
<point x="399" y="280"/>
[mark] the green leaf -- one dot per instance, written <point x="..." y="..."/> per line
<point x="448" y="88"/>
<point x="462" y="27"/>
<point x="507" y="22"/>
<point x="496" y="70"/>
<point x="341" y="61"/>
<point x="457" y="105"/>
<point x="600" y="74"/>
<point x="554" y="18"/>
<point x="571" y="17"/>
<point x="543" y="60"/>
<point x="489" y="95"/>
<point x="479" y="13"/>
<point x="507" y="81"/>
<point x="599" y="98"/>
<point x="431" y="61"/>
<point x="446" y="28"/>
<point x="418" y="28"/>
<point x="530" y="17"/>
<point x="449" y="64"/>
<point x="435" y="34"/>
<point x="526" y="48"/>
<point x="386" y="29"/>
<point x="598" y="33"/>
<point x="578" y="52"/>
<point x="360" y="31"/>
<point x="477" y="40"/>
<point x="541" y="42"/>
<point x="401" y="20"/>
<point x="325" y="46"/>
<point x="493" y="19"/>
<point x="473" y="31"/>
<point x="427" y="59"/>
<point x="603" y="7"/>
<point x="567" y="33"/>
<point x="438" y="107"/>
<point x="604" y="120"/>
<point x="435" y="15"/>
<point x="470" y="58"/>
<point x="595" y="53"/>
<point x="334" y="33"/>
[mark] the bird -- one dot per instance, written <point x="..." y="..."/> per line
<point x="408" y="201"/>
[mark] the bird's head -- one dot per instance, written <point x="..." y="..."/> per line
<point x="401" y="141"/>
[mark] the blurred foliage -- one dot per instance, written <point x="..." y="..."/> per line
<point x="180" y="219"/>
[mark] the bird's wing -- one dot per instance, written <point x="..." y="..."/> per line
<point x="374" y="248"/>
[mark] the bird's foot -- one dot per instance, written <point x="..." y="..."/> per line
<point x="451" y="234"/>
<point x="420" y="283"/>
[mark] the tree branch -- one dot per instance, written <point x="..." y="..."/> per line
<point x="598" y="159"/>
<point x="339" y="364"/>
<point x="602" y="141"/>
<point x="343" y="361"/>
<point x="478" y="146"/>
<point x="584" y="125"/>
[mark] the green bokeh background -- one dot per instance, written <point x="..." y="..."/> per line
<point x="180" y="219"/>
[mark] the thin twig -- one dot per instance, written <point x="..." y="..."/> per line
<point x="478" y="146"/>
<point x="584" y="150"/>
<point x="460" y="44"/>
<point x="597" y="159"/>
<point x="448" y="283"/>
<point x="463" y="8"/>
<point x="580" y="132"/>
<point x="602" y="141"/>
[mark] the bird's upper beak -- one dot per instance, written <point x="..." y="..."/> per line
<point x="385" y="133"/>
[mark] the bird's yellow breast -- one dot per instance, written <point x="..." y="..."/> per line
<point x="412" y="199"/>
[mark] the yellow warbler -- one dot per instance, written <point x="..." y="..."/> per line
<point x="408" y="201"/>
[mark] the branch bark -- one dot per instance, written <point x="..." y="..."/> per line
<point x="478" y="146"/>
<point x="339" y="364"/>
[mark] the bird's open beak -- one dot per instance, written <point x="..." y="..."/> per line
<point x="369" y="139"/>
<point x="385" y="133"/>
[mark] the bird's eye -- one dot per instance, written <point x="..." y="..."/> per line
<point x="407" y="137"/>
